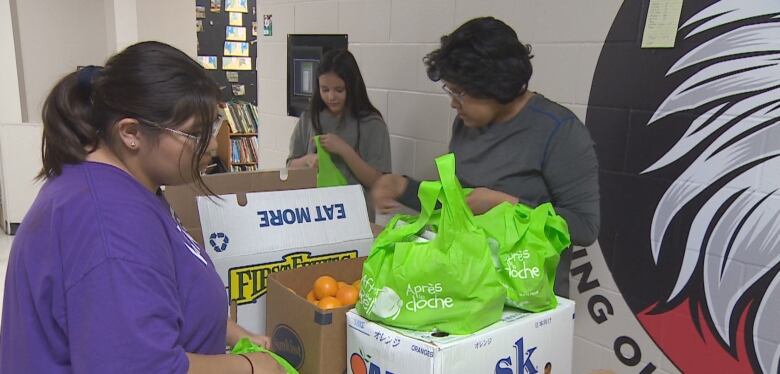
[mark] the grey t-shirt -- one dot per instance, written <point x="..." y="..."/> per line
<point x="543" y="154"/>
<point x="373" y="147"/>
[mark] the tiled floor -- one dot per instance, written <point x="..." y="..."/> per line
<point x="5" y="248"/>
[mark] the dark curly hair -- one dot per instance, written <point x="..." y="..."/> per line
<point x="485" y="58"/>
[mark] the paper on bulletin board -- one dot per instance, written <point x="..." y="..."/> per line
<point x="236" y="6"/>
<point x="216" y="5"/>
<point x="663" y="18"/>
<point x="236" y="49"/>
<point x="235" y="33"/>
<point x="208" y="62"/>
<point x="236" y="19"/>
<point x="236" y="63"/>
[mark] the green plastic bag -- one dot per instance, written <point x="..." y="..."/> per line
<point x="447" y="284"/>
<point x="526" y="244"/>
<point x="244" y="345"/>
<point x="328" y="175"/>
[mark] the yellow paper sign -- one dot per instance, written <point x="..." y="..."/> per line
<point x="663" y="18"/>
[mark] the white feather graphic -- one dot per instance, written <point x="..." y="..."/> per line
<point x="735" y="235"/>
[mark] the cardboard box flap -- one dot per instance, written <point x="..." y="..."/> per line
<point x="277" y="220"/>
<point x="183" y="198"/>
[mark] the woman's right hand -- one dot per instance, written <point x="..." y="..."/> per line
<point x="386" y="190"/>
<point x="265" y="364"/>
<point x="307" y="161"/>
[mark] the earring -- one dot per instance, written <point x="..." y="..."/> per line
<point x="132" y="145"/>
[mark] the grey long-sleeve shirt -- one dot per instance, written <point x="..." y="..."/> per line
<point x="543" y="154"/>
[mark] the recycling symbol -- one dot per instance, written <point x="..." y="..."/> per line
<point x="219" y="241"/>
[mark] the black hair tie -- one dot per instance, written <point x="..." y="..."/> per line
<point x="86" y="76"/>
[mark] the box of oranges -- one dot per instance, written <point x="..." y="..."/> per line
<point x="306" y="314"/>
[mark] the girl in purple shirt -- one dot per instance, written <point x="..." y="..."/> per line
<point x="101" y="277"/>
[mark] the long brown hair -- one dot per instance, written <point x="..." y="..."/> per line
<point x="343" y="64"/>
<point x="149" y="81"/>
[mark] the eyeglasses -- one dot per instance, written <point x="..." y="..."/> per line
<point x="214" y="128"/>
<point x="457" y="96"/>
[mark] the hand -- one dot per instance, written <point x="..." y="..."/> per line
<point x="334" y="144"/>
<point x="308" y="161"/>
<point x="264" y="363"/>
<point x="483" y="199"/>
<point x="386" y="190"/>
<point x="261" y="340"/>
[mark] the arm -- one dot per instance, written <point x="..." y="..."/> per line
<point x="571" y="172"/>
<point x="235" y="332"/>
<point x="233" y="364"/>
<point x="299" y="141"/>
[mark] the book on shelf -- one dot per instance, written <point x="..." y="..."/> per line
<point x="242" y="117"/>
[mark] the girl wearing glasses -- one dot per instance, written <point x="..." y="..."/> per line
<point x="101" y="276"/>
<point x="352" y="128"/>
<point x="510" y="143"/>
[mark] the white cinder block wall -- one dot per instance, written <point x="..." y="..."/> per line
<point x="389" y="39"/>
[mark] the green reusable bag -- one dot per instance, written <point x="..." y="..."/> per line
<point x="328" y="175"/>
<point x="526" y="244"/>
<point x="446" y="284"/>
<point x="244" y="345"/>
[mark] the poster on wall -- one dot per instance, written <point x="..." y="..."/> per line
<point x="268" y="25"/>
<point x="236" y="49"/>
<point x="236" y="63"/>
<point x="236" y="6"/>
<point x="236" y="19"/>
<point x="216" y="6"/>
<point x="235" y="33"/>
<point x="208" y="62"/>
<point x="685" y="276"/>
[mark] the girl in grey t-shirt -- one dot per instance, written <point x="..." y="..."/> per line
<point x="352" y="129"/>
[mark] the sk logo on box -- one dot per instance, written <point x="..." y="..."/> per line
<point x="523" y="365"/>
<point x="219" y="241"/>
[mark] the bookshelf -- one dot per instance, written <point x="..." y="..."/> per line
<point x="237" y="141"/>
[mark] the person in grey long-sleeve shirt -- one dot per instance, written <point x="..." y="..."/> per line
<point x="543" y="154"/>
<point x="510" y="144"/>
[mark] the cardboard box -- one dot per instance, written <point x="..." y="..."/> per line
<point x="265" y="232"/>
<point x="311" y="339"/>
<point x="521" y="343"/>
<point x="183" y="199"/>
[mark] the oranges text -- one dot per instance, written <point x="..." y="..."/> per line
<point x="327" y="293"/>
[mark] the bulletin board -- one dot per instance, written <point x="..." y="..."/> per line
<point x="227" y="45"/>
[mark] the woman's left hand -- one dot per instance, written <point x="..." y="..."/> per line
<point x="261" y="340"/>
<point x="483" y="199"/>
<point x="334" y="144"/>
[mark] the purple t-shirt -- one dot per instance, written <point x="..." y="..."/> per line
<point x="102" y="279"/>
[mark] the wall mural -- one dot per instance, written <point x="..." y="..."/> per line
<point x="688" y="140"/>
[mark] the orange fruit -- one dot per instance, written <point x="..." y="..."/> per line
<point x="329" y="302"/>
<point x="348" y="295"/>
<point x="356" y="284"/>
<point x="325" y="286"/>
<point x="341" y="284"/>
<point x="310" y="296"/>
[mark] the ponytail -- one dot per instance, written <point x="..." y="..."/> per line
<point x="68" y="130"/>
